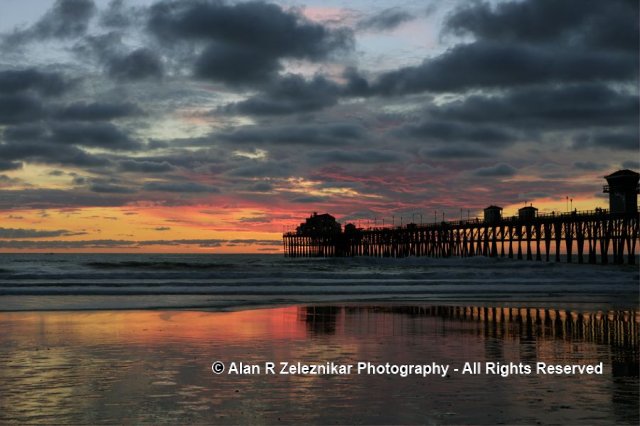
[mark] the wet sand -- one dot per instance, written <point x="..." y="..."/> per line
<point x="155" y="366"/>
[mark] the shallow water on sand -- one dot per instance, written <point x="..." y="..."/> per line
<point x="155" y="366"/>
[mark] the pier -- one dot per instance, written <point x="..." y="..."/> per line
<point x="596" y="236"/>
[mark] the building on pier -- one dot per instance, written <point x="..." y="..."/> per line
<point x="492" y="214"/>
<point x="623" y="191"/>
<point x="319" y="224"/>
<point x="527" y="213"/>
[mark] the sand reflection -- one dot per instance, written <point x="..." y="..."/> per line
<point x="154" y="366"/>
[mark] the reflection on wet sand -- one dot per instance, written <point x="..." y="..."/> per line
<point x="616" y="328"/>
<point x="154" y="366"/>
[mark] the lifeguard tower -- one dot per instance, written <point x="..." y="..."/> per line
<point x="623" y="191"/>
<point x="492" y="214"/>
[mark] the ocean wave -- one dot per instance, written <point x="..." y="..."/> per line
<point x="159" y="265"/>
<point x="85" y="281"/>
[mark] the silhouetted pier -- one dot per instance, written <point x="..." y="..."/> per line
<point x="597" y="236"/>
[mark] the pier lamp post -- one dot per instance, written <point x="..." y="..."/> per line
<point x="420" y="219"/>
<point x="435" y="216"/>
<point x="393" y="221"/>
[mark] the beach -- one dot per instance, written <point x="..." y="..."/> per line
<point x="110" y="355"/>
<point x="155" y="366"/>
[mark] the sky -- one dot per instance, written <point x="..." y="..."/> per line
<point x="211" y="127"/>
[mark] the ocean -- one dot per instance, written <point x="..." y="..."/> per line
<point x="135" y="338"/>
<point x="222" y="282"/>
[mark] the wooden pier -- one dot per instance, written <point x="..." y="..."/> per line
<point x="596" y="236"/>
<point x="586" y="237"/>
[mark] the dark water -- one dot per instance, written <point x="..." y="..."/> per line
<point x="155" y="366"/>
<point x="116" y="281"/>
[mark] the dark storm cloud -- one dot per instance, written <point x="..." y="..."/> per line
<point x="46" y="153"/>
<point x="589" y="165"/>
<point x="499" y="170"/>
<point x="116" y="15"/>
<point x="450" y="131"/>
<point x="144" y="166"/>
<point x="108" y="188"/>
<point x="100" y="47"/>
<point x="245" y="41"/>
<point x="32" y="79"/>
<point x="95" y="135"/>
<point x="20" y="108"/>
<point x="9" y="165"/>
<point x="631" y="164"/>
<point x="97" y="111"/>
<point x="503" y="64"/>
<point x="236" y="64"/>
<point x="357" y="84"/>
<point x="54" y="143"/>
<point x="367" y="156"/>
<point x="524" y="43"/>
<point x="261" y="187"/>
<point x="56" y="198"/>
<point x="140" y="64"/>
<point x="540" y="20"/>
<point x="288" y="95"/>
<point x="550" y="107"/>
<point x="262" y="26"/>
<point x="8" y="233"/>
<point x="612" y="24"/>
<point x="185" y="187"/>
<point x="385" y="20"/>
<point x="66" y="19"/>
<point x="309" y="199"/>
<point x="303" y="134"/>
<point x="456" y="151"/>
<point x="626" y="140"/>
<point x="262" y="169"/>
<point x="32" y="132"/>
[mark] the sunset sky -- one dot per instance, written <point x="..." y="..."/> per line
<point x="210" y="126"/>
